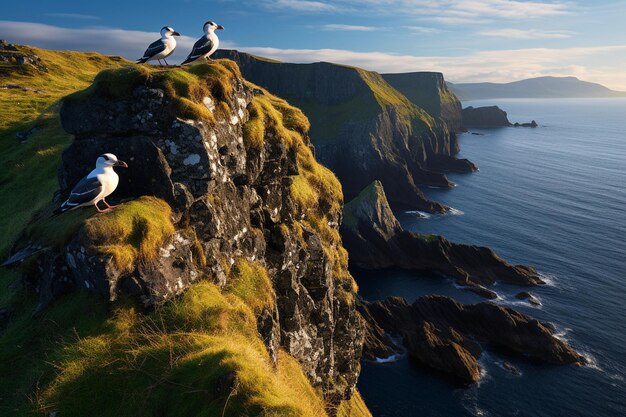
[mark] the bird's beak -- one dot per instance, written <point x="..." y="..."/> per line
<point x="220" y="27"/>
<point x="121" y="164"/>
<point x="175" y="34"/>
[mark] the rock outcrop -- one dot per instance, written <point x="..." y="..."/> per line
<point x="447" y="336"/>
<point x="375" y="239"/>
<point x="235" y="168"/>
<point x="485" y="117"/>
<point x="429" y="91"/>
<point x="363" y="129"/>
<point x="489" y="117"/>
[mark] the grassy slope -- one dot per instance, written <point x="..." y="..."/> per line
<point x="375" y="96"/>
<point x="86" y="357"/>
<point x="28" y="177"/>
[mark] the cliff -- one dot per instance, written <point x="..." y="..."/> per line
<point x="485" y="117"/>
<point x="429" y="91"/>
<point x="375" y="239"/>
<point x="447" y="336"/>
<point x="219" y="285"/>
<point x="362" y="128"/>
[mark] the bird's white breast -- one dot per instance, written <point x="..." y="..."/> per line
<point x="216" y="43"/>
<point x="170" y="45"/>
<point x="109" y="180"/>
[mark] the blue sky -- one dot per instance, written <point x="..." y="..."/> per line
<point x="467" y="40"/>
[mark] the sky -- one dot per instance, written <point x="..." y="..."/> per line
<point x="467" y="40"/>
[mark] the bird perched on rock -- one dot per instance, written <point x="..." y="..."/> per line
<point x="162" y="48"/>
<point x="207" y="44"/>
<point x="93" y="188"/>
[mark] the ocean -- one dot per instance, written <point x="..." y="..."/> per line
<point x="553" y="197"/>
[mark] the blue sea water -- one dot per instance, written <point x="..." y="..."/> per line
<point x="553" y="197"/>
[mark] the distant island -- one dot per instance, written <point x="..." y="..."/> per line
<point x="540" y="87"/>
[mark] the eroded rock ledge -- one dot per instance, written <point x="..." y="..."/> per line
<point x="449" y="337"/>
<point x="375" y="239"/>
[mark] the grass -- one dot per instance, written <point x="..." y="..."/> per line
<point x="84" y="356"/>
<point x="28" y="177"/>
<point x="373" y="192"/>
<point x="131" y="233"/>
<point x="185" y="87"/>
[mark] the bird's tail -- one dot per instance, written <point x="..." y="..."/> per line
<point x="186" y="61"/>
<point x="142" y="60"/>
<point x="22" y="254"/>
<point x="61" y="209"/>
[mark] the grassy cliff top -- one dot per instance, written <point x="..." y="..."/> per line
<point x="199" y="355"/>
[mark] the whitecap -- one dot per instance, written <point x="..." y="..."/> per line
<point x="455" y="212"/>
<point x="592" y="362"/>
<point x="392" y="358"/>
<point x="517" y="302"/>
<point x="561" y="333"/>
<point x="419" y="213"/>
<point x="549" y="279"/>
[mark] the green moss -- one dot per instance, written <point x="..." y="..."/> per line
<point x="250" y="282"/>
<point x="185" y="87"/>
<point x="79" y="359"/>
<point x="131" y="233"/>
<point x="273" y="117"/>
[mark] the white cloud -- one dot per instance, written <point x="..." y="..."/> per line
<point x="527" y="34"/>
<point x="300" y="5"/>
<point x="350" y="28"/>
<point x="603" y="64"/>
<point x="494" y="66"/>
<point x="422" y="29"/>
<point x="74" y="16"/>
<point x="448" y="12"/>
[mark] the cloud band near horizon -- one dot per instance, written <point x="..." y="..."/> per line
<point x="482" y="66"/>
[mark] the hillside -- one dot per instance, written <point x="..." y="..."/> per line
<point x="220" y="288"/>
<point x="541" y="87"/>
<point x="363" y="129"/>
<point x="429" y="91"/>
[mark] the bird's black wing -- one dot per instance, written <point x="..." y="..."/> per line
<point x="153" y="49"/>
<point x="201" y="47"/>
<point x="85" y="191"/>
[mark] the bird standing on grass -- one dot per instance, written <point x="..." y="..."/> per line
<point x="92" y="189"/>
<point x="206" y="45"/>
<point x="161" y="49"/>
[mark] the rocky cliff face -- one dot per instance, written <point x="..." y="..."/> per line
<point x="364" y="129"/>
<point x="375" y="239"/>
<point x="429" y="91"/>
<point x="234" y="167"/>
<point x="486" y="117"/>
<point x="448" y="336"/>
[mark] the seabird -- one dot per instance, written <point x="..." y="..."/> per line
<point x="92" y="189"/>
<point x="161" y="49"/>
<point x="206" y="45"/>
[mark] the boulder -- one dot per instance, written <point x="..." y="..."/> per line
<point x="447" y="336"/>
<point x="485" y="117"/>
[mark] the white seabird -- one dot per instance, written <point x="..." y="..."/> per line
<point x="93" y="188"/>
<point x="161" y="49"/>
<point x="206" y="45"/>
